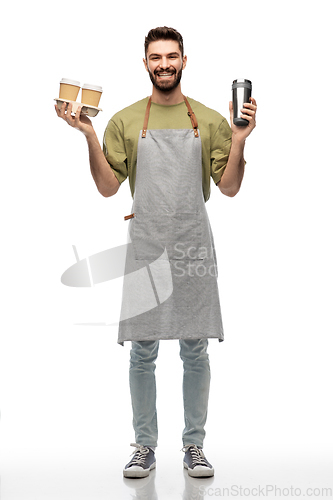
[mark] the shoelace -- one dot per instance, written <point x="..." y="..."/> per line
<point x="139" y="454"/>
<point x="197" y="455"/>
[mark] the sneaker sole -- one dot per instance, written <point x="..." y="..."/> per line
<point x="139" y="472"/>
<point x="199" y="471"/>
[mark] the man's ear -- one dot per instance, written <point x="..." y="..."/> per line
<point x="184" y="62"/>
<point x="145" y="63"/>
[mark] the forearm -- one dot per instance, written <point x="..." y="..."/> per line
<point x="106" y="182"/>
<point x="233" y="174"/>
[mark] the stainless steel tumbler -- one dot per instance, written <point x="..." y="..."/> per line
<point x="241" y="92"/>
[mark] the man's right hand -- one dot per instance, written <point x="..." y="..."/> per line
<point x="80" y="122"/>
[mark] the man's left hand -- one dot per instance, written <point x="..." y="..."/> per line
<point x="249" y="113"/>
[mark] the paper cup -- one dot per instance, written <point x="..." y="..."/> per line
<point x="91" y="95"/>
<point x="69" y="89"/>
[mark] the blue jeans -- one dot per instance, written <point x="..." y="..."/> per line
<point x="196" y="381"/>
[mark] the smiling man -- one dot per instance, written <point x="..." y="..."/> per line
<point x="169" y="146"/>
<point x="165" y="69"/>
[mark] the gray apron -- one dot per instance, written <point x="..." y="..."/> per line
<point x="170" y="286"/>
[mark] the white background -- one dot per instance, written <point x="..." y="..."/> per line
<point x="65" y="405"/>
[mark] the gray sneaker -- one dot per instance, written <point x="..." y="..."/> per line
<point x="196" y="463"/>
<point x="142" y="462"/>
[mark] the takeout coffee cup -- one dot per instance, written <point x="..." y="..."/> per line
<point x="91" y="94"/>
<point x="69" y="89"/>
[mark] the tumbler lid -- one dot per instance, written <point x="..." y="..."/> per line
<point x="241" y="82"/>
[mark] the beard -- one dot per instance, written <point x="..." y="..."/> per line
<point x="166" y="86"/>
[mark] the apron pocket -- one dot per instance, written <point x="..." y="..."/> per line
<point x="186" y="241"/>
<point x="179" y="234"/>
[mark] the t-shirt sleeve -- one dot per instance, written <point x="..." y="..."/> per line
<point x="114" y="151"/>
<point x="220" y="149"/>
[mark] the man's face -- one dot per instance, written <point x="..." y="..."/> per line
<point x="165" y="64"/>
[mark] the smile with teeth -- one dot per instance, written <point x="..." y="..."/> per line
<point x="164" y="75"/>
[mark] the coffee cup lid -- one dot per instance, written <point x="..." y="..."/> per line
<point x="67" y="81"/>
<point x="88" y="86"/>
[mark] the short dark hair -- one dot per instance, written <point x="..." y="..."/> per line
<point x="164" y="33"/>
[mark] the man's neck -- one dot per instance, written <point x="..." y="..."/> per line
<point x="167" y="98"/>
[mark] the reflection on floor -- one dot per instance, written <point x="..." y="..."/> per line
<point x="98" y="477"/>
<point x="145" y="489"/>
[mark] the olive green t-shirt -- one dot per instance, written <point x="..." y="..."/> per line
<point x="122" y="133"/>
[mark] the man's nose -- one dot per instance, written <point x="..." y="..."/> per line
<point x="164" y="63"/>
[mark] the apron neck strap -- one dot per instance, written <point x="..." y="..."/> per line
<point x="190" y="113"/>
<point x="145" y="123"/>
<point x="192" y="116"/>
